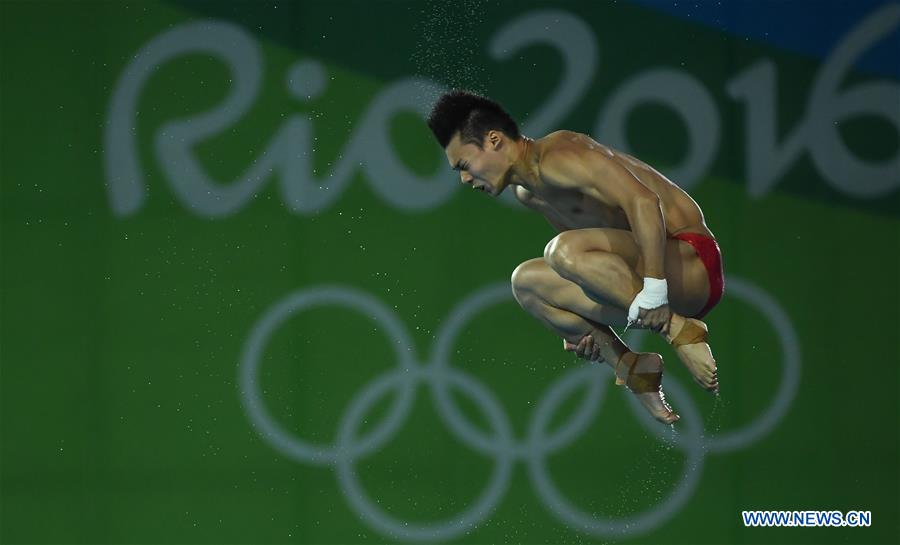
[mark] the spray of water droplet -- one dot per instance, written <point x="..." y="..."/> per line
<point x="448" y="49"/>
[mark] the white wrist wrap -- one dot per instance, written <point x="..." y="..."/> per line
<point x="655" y="294"/>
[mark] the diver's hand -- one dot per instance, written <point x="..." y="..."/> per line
<point x="586" y="348"/>
<point x="657" y="319"/>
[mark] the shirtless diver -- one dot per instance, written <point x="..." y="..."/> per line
<point x="632" y="250"/>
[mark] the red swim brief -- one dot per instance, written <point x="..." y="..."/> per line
<point x="709" y="253"/>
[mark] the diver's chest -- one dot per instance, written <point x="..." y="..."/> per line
<point x="583" y="209"/>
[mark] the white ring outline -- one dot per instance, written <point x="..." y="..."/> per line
<point x="251" y="396"/>
<point x="437" y="373"/>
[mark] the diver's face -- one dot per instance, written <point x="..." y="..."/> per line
<point x="482" y="168"/>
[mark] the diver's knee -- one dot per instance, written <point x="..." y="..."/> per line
<point x="560" y="254"/>
<point x="526" y="278"/>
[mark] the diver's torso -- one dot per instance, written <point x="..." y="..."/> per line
<point x="578" y="209"/>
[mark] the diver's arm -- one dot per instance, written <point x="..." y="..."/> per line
<point x="615" y="186"/>
<point x="528" y="199"/>
<point x="607" y="181"/>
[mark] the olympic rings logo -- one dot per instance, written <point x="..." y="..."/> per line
<point x="440" y="377"/>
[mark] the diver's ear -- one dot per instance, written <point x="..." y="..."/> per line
<point x="494" y="139"/>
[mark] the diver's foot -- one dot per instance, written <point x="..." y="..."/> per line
<point x="688" y="337"/>
<point x="642" y="374"/>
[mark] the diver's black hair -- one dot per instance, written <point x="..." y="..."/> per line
<point x="471" y="115"/>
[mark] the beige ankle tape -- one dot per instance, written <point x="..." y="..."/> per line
<point x="690" y="333"/>
<point x="638" y="383"/>
<point x="642" y="383"/>
<point x="620" y="381"/>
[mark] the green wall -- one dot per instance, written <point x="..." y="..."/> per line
<point x="243" y="300"/>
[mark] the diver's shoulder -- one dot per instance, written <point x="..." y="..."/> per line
<point x="557" y="143"/>
<point x="564" y="142"/>
<point x="560" y="137"/>
<point x="524" y="195"/>
<point x="560" y="158"/>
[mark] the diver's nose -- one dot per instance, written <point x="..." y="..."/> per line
<point x="465" y="177"/>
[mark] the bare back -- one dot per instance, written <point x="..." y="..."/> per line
<point x="577" y="208"/>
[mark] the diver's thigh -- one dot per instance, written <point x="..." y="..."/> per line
<point x="616" y="241"/>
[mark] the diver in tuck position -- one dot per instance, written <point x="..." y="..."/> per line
<point x="632" y="248"/>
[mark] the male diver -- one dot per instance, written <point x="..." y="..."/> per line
<point x="632" y="250"/>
